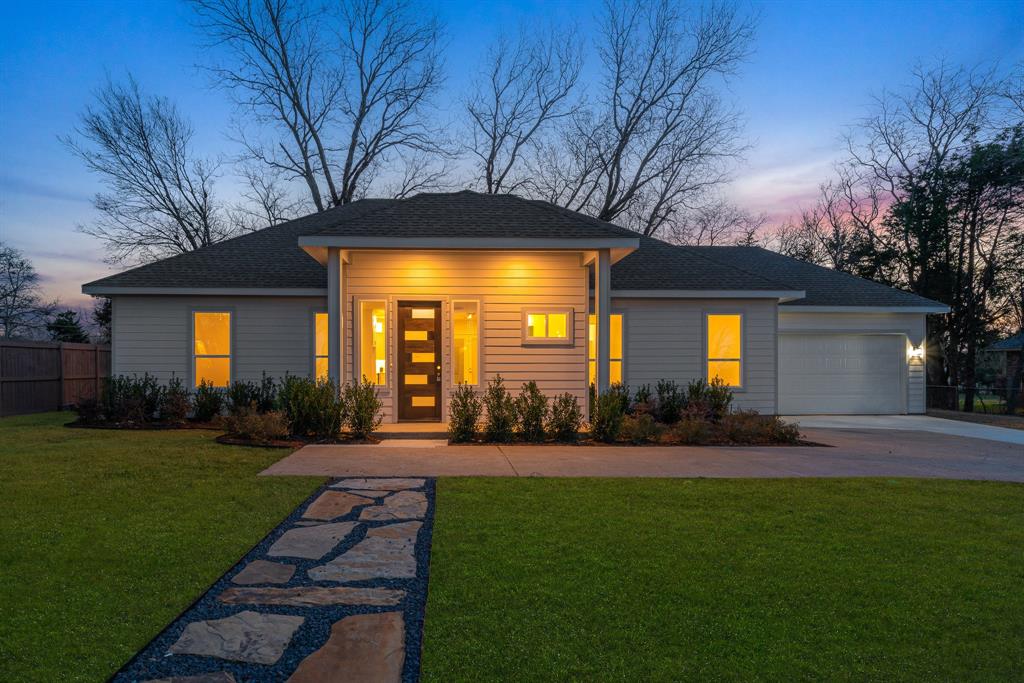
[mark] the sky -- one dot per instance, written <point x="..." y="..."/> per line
<point x="814" y="68"/>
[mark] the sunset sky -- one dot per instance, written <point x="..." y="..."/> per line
<point x="814" y="68"/>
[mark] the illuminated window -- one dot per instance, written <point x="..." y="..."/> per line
<point x="320" y="347"/>
<point x="725" y="348"/>
<point x="211" y="348"/>
<point x="373" y="330"/>
<point x="614" y="351"/>
<point x="466" y="342"/>
<point x="549" y="327"/>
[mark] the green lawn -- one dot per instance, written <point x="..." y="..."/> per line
<point x="106" y="536"/>
<point x="560" y="579"/>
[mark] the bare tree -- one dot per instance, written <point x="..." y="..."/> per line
<point x="265" y="201"/>
<point x="717" y="223"/>
<point x="1013" y="91"/>
<point x="658" y="138"/>
<point x="341" y="91"/>
<point x="419" y="172"/>
<point x="23" y="312"/>
<point x="160" y="200"/>
<point x="524" y="88"/>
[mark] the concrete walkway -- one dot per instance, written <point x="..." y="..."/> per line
<point x="920" y="423"/>
<point x="852" y="453"/>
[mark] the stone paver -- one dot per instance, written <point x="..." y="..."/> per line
<point x="387" y="484"/>
<point x="311" y="542"/>
<point x="387" y="552"/>
<point x="263" y="571"/>
<point x="364" y="647"/>
<point x="312" y="596"/>
<point x="333" y="504"/>
<point x="401" y="505"/>
<point x="218" y="677"/>
<point x="244" y="637"/>
<point x="369" y="494"/>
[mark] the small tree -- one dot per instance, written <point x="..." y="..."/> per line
<point x="65" y="327"/>
<point x="23" y="312"/>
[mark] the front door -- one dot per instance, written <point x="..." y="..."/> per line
<point x="419" y="361"/>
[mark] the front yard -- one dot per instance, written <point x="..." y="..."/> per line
<point x="643" y="579"/>
<point x="108" y="535"/>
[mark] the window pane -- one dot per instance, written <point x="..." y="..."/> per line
<point x="592" y="339"/>
<point x="616" y="339"/>
<point x="321" y="368"/>
<point x="466" y="343"/>
<point x="216" y="370"/>
<point x="723" y="336"/>
<point x="592" y="372"/>
<point x="212" y="333"/>
<point x="536" y="325"/>
<point x="615" y="371"/>
<point x="373" y="341"/>
<point x="558" y="325"/>
<point x="615" y="348"/>
<point x="727" y="370"/>
<point x="321" y="335"/>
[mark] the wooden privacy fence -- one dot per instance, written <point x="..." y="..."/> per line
<point x="40" y="376"/>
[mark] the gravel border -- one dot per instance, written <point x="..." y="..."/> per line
<point x="152" y="661"/>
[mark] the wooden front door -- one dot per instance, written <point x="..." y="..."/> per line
<point x="419" y="361"/>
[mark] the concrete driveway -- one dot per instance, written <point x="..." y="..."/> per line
<point x="918" y="423"/>
<point x="850" y="452"/>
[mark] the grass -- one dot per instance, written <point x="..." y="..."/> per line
<point x="641" y="579"/>
<point x="105" y="536"/>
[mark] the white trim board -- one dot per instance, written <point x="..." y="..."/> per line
<point x="104" y="290"/>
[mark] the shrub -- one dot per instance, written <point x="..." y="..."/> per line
<point x="621" y="392"/>
<point x="463" y="414"/>
<point x="748" y="427"/>
<point x="90" y="411"/>
<point x="532" y="412"/>
<point x="690" y="431"/>
<point x="174" y="403"/>
<point x="313" y="407"/>
<point x="131" y="399"/>
<point x="242" y="397"/>
<point x="643" y="401"/>
<point x="606" y="422"/>
<point x="565" y="418"/>
<point x="710" y="400"/>
<point x="248" y="423"/>
<point x="501" y="412"/>
<point x="208" y="401"/>
<point x="362" y="408"/>
<point x="640" y="429"/>
<point x="669" y="403"/>
<point x="266" y="398"/>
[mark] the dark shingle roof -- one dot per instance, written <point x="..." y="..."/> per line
<point x="1014" y="343"/>
<point x="823" y="286"/>
<point x="659" y="265"/>
<point x="471" y="214"/>
<point x="272" y="258"/>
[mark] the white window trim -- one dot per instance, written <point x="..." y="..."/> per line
<point x="479" y="341"/>
<point x="743" y="348"/>
<point x="568" y="340"/>
<point x="192" y="355"/>
<point x="357" y="340"/>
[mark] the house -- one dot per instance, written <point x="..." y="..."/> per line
<point x="1010" y="351"/>
<point x="421" y="294"/>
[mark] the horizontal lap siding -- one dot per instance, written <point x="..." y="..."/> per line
<point x="664" y="339"/>
<point x="270" y="334"/>
<point x="910" y="324"/>
<point x="504" y="283"/>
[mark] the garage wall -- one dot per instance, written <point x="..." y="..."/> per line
<point x="911" y="325"/>
<point x="664" y="339"/>
<point x="273" y="334"/>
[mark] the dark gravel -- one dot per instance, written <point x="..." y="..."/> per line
<point x="153" y="662"/>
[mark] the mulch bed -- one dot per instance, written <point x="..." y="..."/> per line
<point x="230" y="440"/>
<point x="143" y="426"/>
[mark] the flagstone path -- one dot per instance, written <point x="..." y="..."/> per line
<point x="335" y="593"/>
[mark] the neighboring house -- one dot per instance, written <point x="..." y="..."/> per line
<point x="1011" y="350"/>
<point x="421" y="294"/>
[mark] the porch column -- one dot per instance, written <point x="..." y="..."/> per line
<point x="602" y="314"/>
<point x="335" y="323"/>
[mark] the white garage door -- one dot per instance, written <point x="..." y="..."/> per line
<point x="836" y="374"/>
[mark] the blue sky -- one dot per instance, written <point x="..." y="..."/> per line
<point x="814" y="67"/>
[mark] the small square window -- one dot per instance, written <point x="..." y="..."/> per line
<point x="548" y="327"/>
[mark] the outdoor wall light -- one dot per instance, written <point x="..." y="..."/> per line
<point x="916" y="352"/>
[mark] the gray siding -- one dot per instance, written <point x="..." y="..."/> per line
<point x="664" y="339"/>
<point x="911" y="325"/>
<point x="269" y="334"/>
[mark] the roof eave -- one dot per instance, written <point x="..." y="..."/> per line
<point x="781" y="295"/>
<point x="928" y="309"/>
<point x="99" y="289"/>
<point x="620" y="247"/>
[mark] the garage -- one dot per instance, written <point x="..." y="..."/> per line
<point x="842" y="374"/>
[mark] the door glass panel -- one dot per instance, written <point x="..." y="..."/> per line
<point x="423" y="313"/>
<point x="465" y="342"/>
<point x="422" y="358"/>
<point x="373" y="341"/>
<point x="423" y="402"/>
<point x="415" y="379"/>
<point x="415" y="335"/>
